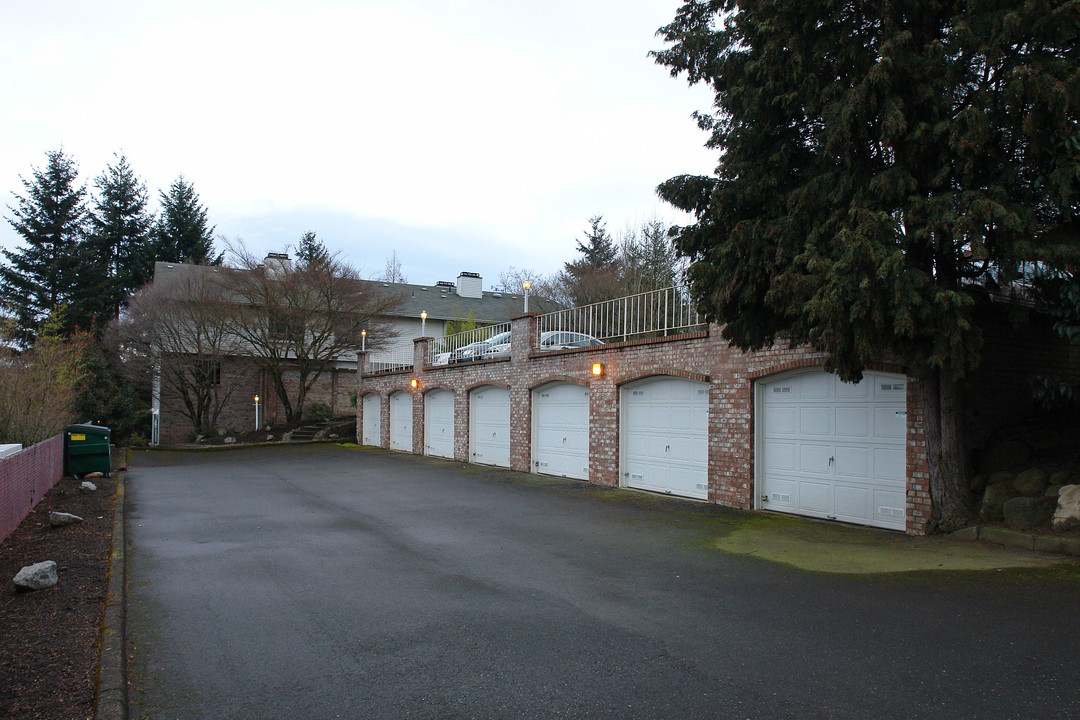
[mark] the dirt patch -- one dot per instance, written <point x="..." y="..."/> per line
<point x="50" y="637"/>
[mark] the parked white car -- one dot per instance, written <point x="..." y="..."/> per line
<point x="551" y="340"/>
<point x="473" y="351"/>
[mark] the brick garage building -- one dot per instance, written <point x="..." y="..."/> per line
<point x="730" y="375"/>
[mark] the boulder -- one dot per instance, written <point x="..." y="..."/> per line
<point x="60" y="519"/>
<point x="993" y="500"/>
<point x="87" y="487"/>
<point x="1003" y="455"/>
<point x="1025" y="513"/>
<point x="1031" y="482"/>
<point x="37" y="577"/>
<point x="229" y="440"/>
<point x="1061" y="477"/>
<point x="1052" y="491"/>
<point x="1067" y="515"/>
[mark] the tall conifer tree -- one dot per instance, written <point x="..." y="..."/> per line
<point x="120" y="239"/>
<point x="183" y="233"/>
<point x="41" y="276"/>
<point x="883" y="166"/>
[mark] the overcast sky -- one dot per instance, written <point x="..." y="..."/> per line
<point x="464" y="134"/>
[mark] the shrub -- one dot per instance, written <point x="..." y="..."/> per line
<point x="320" y="412"/>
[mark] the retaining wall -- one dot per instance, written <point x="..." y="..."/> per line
<point x="25" y="477"/>
<point x="701" y="356"/>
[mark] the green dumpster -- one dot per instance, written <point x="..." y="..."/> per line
<point x="86" y="450"/>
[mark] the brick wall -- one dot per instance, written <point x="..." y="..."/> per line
<point x="704" y="357"/>
<point x="25" y="477"/>
<point x="241" y="381"/>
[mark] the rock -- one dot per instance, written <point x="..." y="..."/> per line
<point x="269" y="438"/>
<point x="229" y="440"/>
<point x="37" y="577"/>
<point x="1003" y="455"/>
<point x="1067" y="515"/>
<point x="333" y="435"/>
<point x="1031" y="482"/>
<point x="60" y="519"/>
<point x="993" y="500"/>
<point x="1052" y="491"/>
<point x="1000" y="477"/>
<point x="87" y="487"/>
<point x="977" y="483"/>
<point x="1025" y="513"/>
<point x="1061" y="477"/>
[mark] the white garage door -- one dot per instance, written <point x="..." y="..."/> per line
<point x="401" y="421"/>
<point x="664" y="436"/>
<point x="561" y="430"/>
<point x="489" y="426"/>
<point x="372" y="420"/>
<point x="834" y="450"/>
<point x="439" y="423"/>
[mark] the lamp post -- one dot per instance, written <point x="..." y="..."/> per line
<point x="526" y="285"/>
<point x="363" y="340"/>
<point x="256" y="412"/>
<point x="423" y="323"/>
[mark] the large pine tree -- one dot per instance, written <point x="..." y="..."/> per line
<point x="120" y="242"/>
<point x="41" y="276"/>
<point x="883" y="166"/>
<point x="183" y="233"/>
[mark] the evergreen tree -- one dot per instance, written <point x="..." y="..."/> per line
<point x="311" y="251"/>
<point x="649" y="260"/>
<point x="882" y="166"/>
<point x="596" y="275"/>
<point x="121" y="240"/>
<point x="42" y="275"/>
<point x="598" y="249"/>
<point x="183" y="234"/>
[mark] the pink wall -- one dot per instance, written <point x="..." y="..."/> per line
<point x="25" y="477"/>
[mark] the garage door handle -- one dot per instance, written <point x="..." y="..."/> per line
<point x="667" y="448"/>
<point x="831" y="460"/>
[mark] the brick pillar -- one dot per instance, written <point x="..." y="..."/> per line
<point x="522" y="337"/>
<point x="461" y="425"/>
<point x="421" y="359"/>
<point x="603" y="431"/>
<point x="361" y="371"/>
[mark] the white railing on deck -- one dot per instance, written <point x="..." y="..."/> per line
<point x="449" y="343"/>
<point x="392" y="359"/>
<point x="649" y="314"/>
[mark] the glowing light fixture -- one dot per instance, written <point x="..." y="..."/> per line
<point x="413" y="383"/>
<point x="597" y="369"/>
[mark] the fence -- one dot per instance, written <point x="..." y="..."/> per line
<point x="448" y="349"/>
<point x="392" y="359"/>
<point x="25" y="477"/>
<point x="649" y="314"/>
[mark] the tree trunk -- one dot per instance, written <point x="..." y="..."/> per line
<point x="949" y="495"/>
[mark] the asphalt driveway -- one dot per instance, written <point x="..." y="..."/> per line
<point x="327" y="582"/>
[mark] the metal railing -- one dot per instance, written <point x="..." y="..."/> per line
<point x="397" y="358"/>
<point x="656" y="313"/>
<point x="457" y="341"/>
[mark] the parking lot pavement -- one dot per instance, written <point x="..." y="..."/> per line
<point x="322" y="582"/>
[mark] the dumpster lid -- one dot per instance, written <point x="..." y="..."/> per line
<point x="87" y="426"/>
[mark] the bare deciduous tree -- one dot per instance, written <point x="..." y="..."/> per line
<point x="303" y="320"/>
<point x="178" y="327"/>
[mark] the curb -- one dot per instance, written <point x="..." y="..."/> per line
<point x="1017" y="539"/>
<point x="111" y="680"/>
